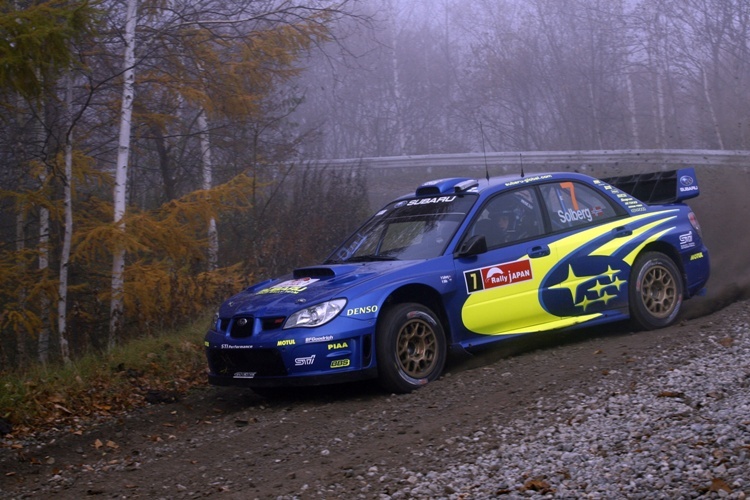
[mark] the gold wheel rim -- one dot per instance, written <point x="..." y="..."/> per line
<point x="417" y="348"/>
<point x="659" y="292"/>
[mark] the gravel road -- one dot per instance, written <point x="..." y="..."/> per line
<point x="605" y="413"/>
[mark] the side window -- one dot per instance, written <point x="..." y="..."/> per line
<point x="571" y="204"/>
<point x="509" y="217"/>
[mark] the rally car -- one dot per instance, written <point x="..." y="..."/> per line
<point x="461" y="263"/>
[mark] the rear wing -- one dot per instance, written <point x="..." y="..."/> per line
<point x="658" y="188"/>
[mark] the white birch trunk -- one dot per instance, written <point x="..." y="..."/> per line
<point x="633" y="112"/>
<point x="62" y="294"/>
<point x="396" y="83"/>
<point x="20" y="245"/>
<point x="43" y="248"/>
<point x="121" y="175"/>
<point x="44" y="299"/>
<point x="711" y="110"/>
<point x="207" y="162"/>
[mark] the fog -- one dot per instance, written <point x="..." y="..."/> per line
<point x="426" y="77"/>
<point x="460" y="76"/>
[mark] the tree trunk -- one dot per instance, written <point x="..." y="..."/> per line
<point x="62" y="295"/>
<point x="633" y="112"/>
<point x="711" y="110"/>
<point x="20" y="245"/>
<point x="207" y="163"/>
<point x="43" y="245"/>
<point x="121" y="178"/>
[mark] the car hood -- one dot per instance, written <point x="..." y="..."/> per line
<point x="307" y="286"/>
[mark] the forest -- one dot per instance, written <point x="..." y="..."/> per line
<point x="157" y="156"/>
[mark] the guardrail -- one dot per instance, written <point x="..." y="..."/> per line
<point x="671" y="157"/>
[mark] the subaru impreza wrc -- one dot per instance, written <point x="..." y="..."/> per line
<point x="460" y="264"/>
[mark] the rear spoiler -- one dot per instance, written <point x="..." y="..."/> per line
<point x="658" y="188"/>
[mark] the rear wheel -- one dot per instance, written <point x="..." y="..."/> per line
<point x="411" y="347"/>
<point x="655" y="291"/>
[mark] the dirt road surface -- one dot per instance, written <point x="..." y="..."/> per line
<point x="231" y="443"/>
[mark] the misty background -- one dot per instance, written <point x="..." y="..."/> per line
<point x="253" y="122"/>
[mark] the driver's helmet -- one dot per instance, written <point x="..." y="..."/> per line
<point x="516" y="208"/>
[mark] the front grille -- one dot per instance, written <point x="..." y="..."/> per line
<point x="242" y="327"/>
<point x="264" y="362"/>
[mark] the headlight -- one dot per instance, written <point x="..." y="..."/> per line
<point x="316" y="315"/>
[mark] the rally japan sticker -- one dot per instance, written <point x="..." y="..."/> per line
<point x="497" y="275"/>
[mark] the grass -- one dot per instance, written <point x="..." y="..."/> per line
<point x="160" y="367"/>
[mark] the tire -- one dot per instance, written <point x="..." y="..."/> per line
<point x="410" y="348"/>
<point x="655" y="291"/>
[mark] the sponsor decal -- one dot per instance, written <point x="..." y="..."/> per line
<point x="340" y="363"/>
<point x="687" y="189"/>
<point x="356" y="311"/>
<point x="244" y="375"/>
<point x="285" y="342"/>
<point x="289" y="286"/>
<point x="686" y="180"/>
<point x="575" y="215"/>
<point x="306" y="361"/>
<point x="498" y="275"/>
<point x="528" y="179"/>
<point x="322" y="338"/>
<point x="428" y="201"/>
<point x="446" y="278"/>
<point x="597" y="211"/>
<point x="338" y="345"/>
<point x="696" y="256"/>
<point x="588" y="290"/>
<point x="637" y="209"/>
<point x="232" y="346"/>
<point x="686" y="240"/>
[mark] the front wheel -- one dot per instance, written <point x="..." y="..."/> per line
<point x="655" y="291"/>
<point x="411" y="347"/>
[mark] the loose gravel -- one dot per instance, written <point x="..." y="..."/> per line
<point x="680" y="431"/>
<point x="646" y="415"/>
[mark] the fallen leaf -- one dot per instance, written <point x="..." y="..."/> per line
<point x="670" y="394"/>
<point x="60" y="407"/>
<point x="718" y="484"/>
<point x="98" y="444"/>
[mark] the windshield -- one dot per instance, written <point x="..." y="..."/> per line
<point x="420" y="228"/>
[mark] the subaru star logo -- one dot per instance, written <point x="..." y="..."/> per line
<point x="242" y="321"/>
<point x="686" y="180"/>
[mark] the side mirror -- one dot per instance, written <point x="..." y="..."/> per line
<point x="473" y="246"/>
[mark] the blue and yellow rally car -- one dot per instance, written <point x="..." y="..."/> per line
<point x="463" y="263"/>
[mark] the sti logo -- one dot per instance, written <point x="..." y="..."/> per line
<point x="686" y="240"/>
<point x="304" y="361"/>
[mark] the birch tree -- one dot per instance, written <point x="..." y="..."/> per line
<point x="121" y="174"/>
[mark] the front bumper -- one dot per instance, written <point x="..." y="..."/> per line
<point x="294" y="357"/>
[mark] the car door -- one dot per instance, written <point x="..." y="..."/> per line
<point x="591" y="242"/>
<point x="502" y="284"/>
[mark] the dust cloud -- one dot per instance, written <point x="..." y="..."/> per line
<point x="723" y="211"/>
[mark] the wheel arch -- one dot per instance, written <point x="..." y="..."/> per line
<point x="674" y="256"/>
<point x="424" y="295"/>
